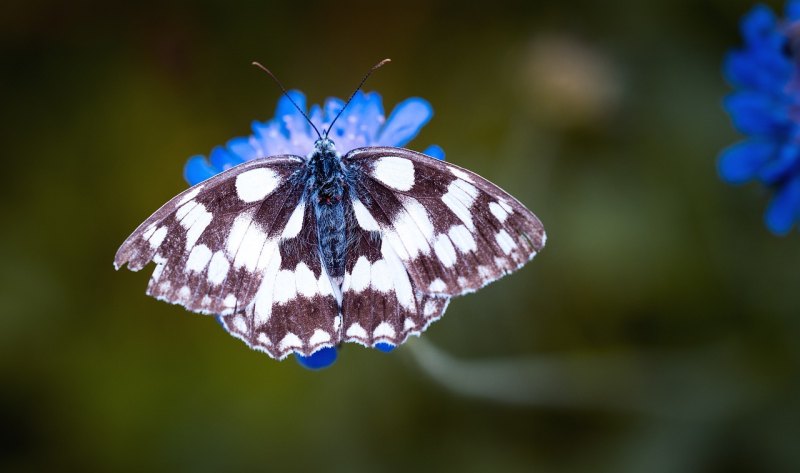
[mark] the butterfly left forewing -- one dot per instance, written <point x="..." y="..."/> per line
<point x="454" y="230"/>
<point x="211" y="241"/>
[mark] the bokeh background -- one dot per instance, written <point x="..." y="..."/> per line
<point x="657" y="332"/>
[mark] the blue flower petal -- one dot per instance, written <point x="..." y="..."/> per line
<point x="434" y="151"/>
<point x="742" y="162"/>
<point x="406" y="120"/>
<point x="221" y="159"/>
<point x="368" y="114"/>
<point x="242" y="148"/>
<point x="759" y="25"/>
<point x="784" y="163"/>
<point x="792" y="10"/>
<point x="784" y="209"/>
<point x="322" y="358"/>
<point x="197" y="170"/>
<point x="286" y="108"/>
<point x="385" y="347"/>
<point x="756" y="114"/>
<point x="332" y="108"/>
<point x="766" y="72"/>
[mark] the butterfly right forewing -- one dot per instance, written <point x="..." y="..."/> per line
<point x="454" y="231"/>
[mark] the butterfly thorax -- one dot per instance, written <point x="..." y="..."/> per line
<point x="328" y="190"/>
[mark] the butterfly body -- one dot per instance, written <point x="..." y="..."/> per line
<point x="297" y="254"/>
<point x="327" y="188"/>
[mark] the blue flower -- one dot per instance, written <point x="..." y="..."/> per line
<point x="766" y="107"/>
<point x="363" y="123"/>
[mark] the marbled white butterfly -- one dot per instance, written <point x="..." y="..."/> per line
<point x="300" y="253"/>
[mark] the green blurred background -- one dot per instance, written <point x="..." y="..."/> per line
<point x="657" y="332"/>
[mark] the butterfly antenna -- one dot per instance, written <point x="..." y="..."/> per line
<point x="258" y="65"/>
<point x="376" y="66"/>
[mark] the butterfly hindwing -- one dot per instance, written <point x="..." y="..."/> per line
<point x="381" y="303"/>
<point x="453" y="230"/>
<point x="295" y="307"/>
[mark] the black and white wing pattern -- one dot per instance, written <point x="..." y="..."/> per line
<point x="402" y="233"/>
<point x="381" y="303"/>
<point x="243" y="245"/>
<point x="450" y="229"/>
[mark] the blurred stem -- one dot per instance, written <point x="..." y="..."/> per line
<point x="672" y="385"/>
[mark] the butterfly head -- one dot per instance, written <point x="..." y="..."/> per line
<point x="324" y="146"/>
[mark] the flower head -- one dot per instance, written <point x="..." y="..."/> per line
<point x="361" y="124"/>
<point x="766" y="107"/>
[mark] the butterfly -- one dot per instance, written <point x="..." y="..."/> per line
<point x="295" y="254"/>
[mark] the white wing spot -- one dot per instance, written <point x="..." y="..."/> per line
<point x="185" y="209"/>
<point x="246" y="241"/>
<point x="381" y="276"/>
<point x="356" y="331"/>
<point x="324" y="287"/>
<point x="444" y="250"/>
<point x="402" y="284"/>
<point x="218" y="268"/>
<point x="396" y="243"/>
<point x="240" y="324"/>
<point x="365" y="220"/>
<point x="185" y="293"/>
<point x="459" y="198"/>
<point x="230" y="301"/>
<point x="462" y="238"/>
<point x="157" y="237"/>
<point x="419" y="215"/>
<point x="190" y="195"/>
<point x="319" y="336"/>
<point x="160" y="262"/>
<point x="468" y="189"/>
<point x="437" y="285"/>
<point x="505" y="241"/>
<point x="261" y="307"/>
<point x="256" y="184"/>
<point x="198" y="258"/>
<point x="430" y="308"/>
<point x="410" y="235"/>
<point x="501" y="263"/>
<point x="295" y="223"/>
<point x="395" y="172"/>
<point x="498" y="211"/>
<point x="290" y="341"/>
<point x="149" y="232"/>
<point x="305" y="280"/>
<point x="461" y="174"/>
<point x="384" y="330"/>
<point x="285" y="287"/>
<point x="409" y="324"/>
<point x="195" y="223"/>
<point x="360" y="276"/>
